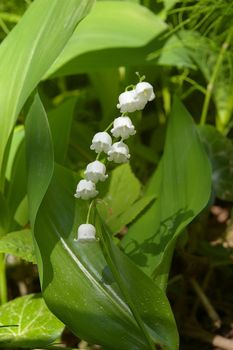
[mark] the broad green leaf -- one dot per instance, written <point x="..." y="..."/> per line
<point x="108" y="38"/>
<point x="106" y="84"/>
<point x="60" y="120"/>
<point x="22" y="213"/>
<point x="145" y="299"/>
<point x="17" y="186"/>
<point x="19" y="244"/>
<point x="122" y="204"/>
<point x="29" y="54"/>
<point x="17" y="138"/>
<point x="76" y="281"/>
<point x="174" y="53"/>
<point x="220" y="151"/>
<point x="81" y="149"/>
<point x="26" y="322"/>
<point x="125" y="218"/>
<point x="182" y="188"/>
<point x="124" y="189"/>
<point x="4" y="215"/>
<point x="41" y="172"/>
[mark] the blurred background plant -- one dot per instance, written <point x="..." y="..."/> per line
<point x="183" y="48"/>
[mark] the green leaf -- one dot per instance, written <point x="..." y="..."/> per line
<point x="124" y="189"/>
<point x="26" y="322"/>
<point x="182" y="188"/>
<point x="220" y="151"/>
<point x="174" y="53"/>
<point x="19" y="244"/>
<point x="41" y="172"/>
<point x="18" y="136"/>
<point x="60" y="120"/>
<point x="144" y="297"/>
<point x="51" y="24"/>
<point x="76" y="281"/>
<point x="125" y="218"/>
<point x="106" y="39"/>
<point x="109" y="80"/>
<point x="205" y="52"/>
<point x="122" y="204"/>
<point x="17" y="186"/>
<point x="82" y="271"/>
<point x="4" y="216"/>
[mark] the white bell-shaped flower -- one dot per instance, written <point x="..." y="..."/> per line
<point x="119" y="152"/>
<point x="86" y="190"/>
<point x="128" y="102"/>
<point x="144" y="91"/>
<point x="95" y="171"/>
<point x="86" y="232"/>
<point x="123" y="127"/>
<point x="101" y="142"/>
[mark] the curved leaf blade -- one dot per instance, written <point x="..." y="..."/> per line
<point x="111" y="25"/>
<point x="18" y="243"/>
<point x="76" y="280"/>
<point x="26" y="322"/>
<point x="182" y="186"/>
<point x="51" y="24"/>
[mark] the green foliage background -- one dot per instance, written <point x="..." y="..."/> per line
<point x="62" y="69"/>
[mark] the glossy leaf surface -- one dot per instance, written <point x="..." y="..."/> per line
<point x="19" y="244"/>
<point x="108" y="38"/>
<point x="182" y="188"/>
<point x="29" y="54"/>
<point x="60" y="120"/>
<point x="123" y="202"/>
<point x="76" y="280"/>
<point x="26" y="322"/>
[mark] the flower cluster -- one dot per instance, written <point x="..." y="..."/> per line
<point x="121" y="129"/>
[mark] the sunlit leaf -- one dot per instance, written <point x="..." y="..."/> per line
<point x="109" y="37"/>
<point x="60" y="120"/>
<point x="26" y="322"/>
<point x="182" y="188"/>
<point x="19" y="244"/>
<point x="26" y="55"/>
<point x="123" y="203"/>
<point x="76" y="281"/>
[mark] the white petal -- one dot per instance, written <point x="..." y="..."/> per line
<point x="86" y="232"/>
<point x="145" y="90"/>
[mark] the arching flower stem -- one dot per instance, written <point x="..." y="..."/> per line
<point x="89" y="211"/>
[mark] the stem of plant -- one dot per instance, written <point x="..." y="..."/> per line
<point x="207" y="304"/>
<point x="108" y="127"/>
<point x="3" y="283"/>
<point x="210" y="85"/>
<point x="89" y="211"/>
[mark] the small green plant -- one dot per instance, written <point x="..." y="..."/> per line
<point x="106" y="194"/>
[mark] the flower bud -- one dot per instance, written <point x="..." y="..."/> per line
<point x="123" y="127"/>
<point x="119" y="152"/>
<point x="86" y="232"/>
<point x="144" y="91"/>
<point x="95" y="171"/>
<point x="85" y="190"/>
<point x="101" y="141"/>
